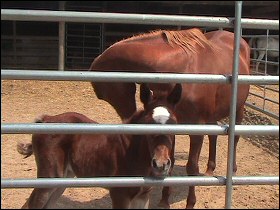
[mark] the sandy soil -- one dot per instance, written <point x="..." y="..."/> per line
<point x="23" y="101"/>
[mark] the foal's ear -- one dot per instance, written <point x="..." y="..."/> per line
<point x="145" y="93"/>
<point x="175" y="95"/>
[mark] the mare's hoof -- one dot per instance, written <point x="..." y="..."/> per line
<point x="208" y="173"/>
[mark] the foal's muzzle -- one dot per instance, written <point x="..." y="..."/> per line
<point x="160" y="167"/>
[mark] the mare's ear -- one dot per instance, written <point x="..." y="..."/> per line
<point x="175" y="95"/>
<point x="145" y="94"/>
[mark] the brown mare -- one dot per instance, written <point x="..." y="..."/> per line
<point x="98" y="155"/>
<point x="189" y="52"/>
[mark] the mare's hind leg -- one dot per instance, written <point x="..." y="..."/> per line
<point x="213" y="147"/>
<point x="239" y="117"/>
<point x="166" y="191"/>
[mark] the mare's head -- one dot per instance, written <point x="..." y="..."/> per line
<point x="160" y="110"/>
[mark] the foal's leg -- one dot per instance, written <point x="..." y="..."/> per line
<point x="166" y="191"/>
<point x="58" y="192"/>
<point x="38" y="198"/>
<point x="120" y="198"/>
<point x="48" y="166"/>
<point x="192" y="166"/>
<point x="140" y="201"/>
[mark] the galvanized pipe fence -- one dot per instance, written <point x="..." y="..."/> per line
<point x="231" y="129"/>
<point x="147" y="19"/>
<point x="137" y="181"/>
<point x="264" y="90"/>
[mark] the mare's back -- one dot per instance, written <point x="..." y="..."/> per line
<point x="224" y="41"/>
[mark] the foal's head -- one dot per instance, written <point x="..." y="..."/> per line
<point x="160" y="110"/>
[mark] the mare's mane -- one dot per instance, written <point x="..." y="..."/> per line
<point x="186" y="39"/>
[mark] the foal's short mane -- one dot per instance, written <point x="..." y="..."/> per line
<point x="186" y="39"/>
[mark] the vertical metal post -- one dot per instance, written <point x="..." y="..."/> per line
<point x="265" y="68"/>
<point x="103" y="30"/>
<point x="180" y="13"/>
<point x="61" y="40"/>
<point x="15" y="43"/>
<point x="234" y="85"/>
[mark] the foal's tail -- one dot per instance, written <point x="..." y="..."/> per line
<point x="25" y="149"/>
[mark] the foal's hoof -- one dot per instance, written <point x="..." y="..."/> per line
<point x="163" y="204"/>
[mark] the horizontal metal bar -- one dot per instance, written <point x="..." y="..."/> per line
<point x="271" y="100"/>
<point x="102" y="17"/>
<point x="258" y="96"/>
<point x="265" y="98"/>
<point x="260" y="36"/>
<point x="98" y="76"/>
<point x="70" y="128"/>
<point x="183" y="129"/>
<point x="256" y="79"/>
<point x="265" y="49"/>
<point x="267" y="62"/>
<point x="136" y="181"/>
<point x="110" y="76"/>
<point x="259" y="24"/>
<point x="257" y="130"/>
<point x="268" y="88"/>
<point x="268" y="113"/>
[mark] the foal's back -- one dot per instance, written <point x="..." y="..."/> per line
<point x="67" y="117"/>
<point x="69" y="155"/>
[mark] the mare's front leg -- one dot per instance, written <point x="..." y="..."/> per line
<point x="192" y="166"/>
<point x="211" y="165"/>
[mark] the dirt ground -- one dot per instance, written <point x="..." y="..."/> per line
<point x="23" y="101"/>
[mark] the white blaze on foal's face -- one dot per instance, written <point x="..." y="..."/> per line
<point x="161" y="114"/>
